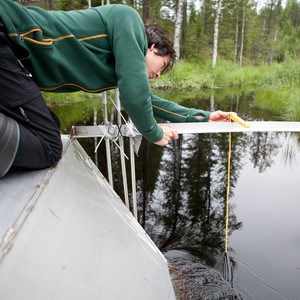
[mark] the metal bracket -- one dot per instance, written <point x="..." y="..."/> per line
<point x="109" y="131"/>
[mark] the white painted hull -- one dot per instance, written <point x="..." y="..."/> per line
<point x="73" y="238"/>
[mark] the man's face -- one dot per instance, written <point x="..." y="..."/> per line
<point x="155" y="63"/>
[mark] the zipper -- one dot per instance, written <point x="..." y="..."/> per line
<point x="170" y="112"/>
<point x="24" y="114"/>
<point x="24" y="37"/>
<point x="24" y="69"/>
<point x="49" y="41"/>
<point x="45" y="42"/>
<point x="78" y="87"/>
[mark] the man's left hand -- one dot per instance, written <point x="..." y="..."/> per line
<point x="220" y="116"/>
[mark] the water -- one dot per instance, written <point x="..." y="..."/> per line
<point x="185" y="209"/>
<point x="267" y="248"/>
<point x="181" y="192"/>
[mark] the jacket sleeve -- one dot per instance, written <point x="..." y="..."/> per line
<point x="176" y="113"/>
<point x="129" y="43"/>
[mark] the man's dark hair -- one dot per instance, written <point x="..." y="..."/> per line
<point x="157" y="36"/>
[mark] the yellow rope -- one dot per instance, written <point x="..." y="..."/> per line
<point x="235" y="118"/>
<point x="227" y="192"/>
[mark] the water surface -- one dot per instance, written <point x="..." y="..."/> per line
<point x="267" y="248"/>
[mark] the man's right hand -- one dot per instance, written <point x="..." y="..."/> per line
<point x="169" y="134"/>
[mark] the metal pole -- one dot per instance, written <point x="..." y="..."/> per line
<point x="95" y="138"/>
<point x="133" y="177"/>
<point x="121" y="144"/>
<point x="107" y="142"/>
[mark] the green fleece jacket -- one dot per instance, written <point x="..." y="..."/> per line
<point x="93" y="50"/>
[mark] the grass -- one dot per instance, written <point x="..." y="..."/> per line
<point x="57" y="99"/>
<point x="277" y="86"/>
<point x="230" y="75"/>
<point x="284" y="101"/>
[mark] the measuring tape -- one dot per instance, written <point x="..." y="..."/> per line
<point x="235" y="118"/>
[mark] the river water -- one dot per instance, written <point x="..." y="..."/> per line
<point x="181" y="194"/>
<point x="267" y="247"/>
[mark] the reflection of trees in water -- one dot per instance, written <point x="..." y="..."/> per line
<point x="184" y="187"/>
<point x="147" y="171"/>
<point x="290" y="148"/>
<point x="187" y="208"/>
<point x="263" y="147"/>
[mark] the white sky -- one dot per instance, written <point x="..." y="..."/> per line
<point x="261" y="3"/>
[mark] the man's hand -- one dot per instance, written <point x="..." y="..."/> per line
<point x="220" y="116"/>
<point x="169" y="134"/>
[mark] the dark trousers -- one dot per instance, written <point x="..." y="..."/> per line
<point x="20" y="99"/>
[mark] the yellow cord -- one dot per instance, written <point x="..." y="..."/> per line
<point x="235" y="118"/>
<point x="227" y="192"/>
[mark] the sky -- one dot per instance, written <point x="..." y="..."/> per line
<point x="261" y="3"/>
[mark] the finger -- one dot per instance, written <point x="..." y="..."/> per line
<point x="175" y="135"/>
<point x="161" y="143"/>
<point x="167" y="137"/>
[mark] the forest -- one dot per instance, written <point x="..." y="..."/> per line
<point x="246" y="32"/>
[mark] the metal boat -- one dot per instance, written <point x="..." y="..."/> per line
<point x="65" y="234"/>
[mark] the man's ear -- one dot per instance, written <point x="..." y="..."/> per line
<point x="152" y="47"/>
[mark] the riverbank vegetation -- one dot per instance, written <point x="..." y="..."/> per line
<point x="230" y="75"/>
<point x="276" y="87"/>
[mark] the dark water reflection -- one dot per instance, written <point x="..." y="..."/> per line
<point x="181" y="191"/>
<point x="185" y="208"/>
<point x="267" y="249"/>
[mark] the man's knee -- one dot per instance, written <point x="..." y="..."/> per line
<point x="20" y="147"/>
<point x="35" y="152"/>
<point x="9" y="143"/>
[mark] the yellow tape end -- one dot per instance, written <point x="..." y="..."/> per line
<point x="239" y="120"/>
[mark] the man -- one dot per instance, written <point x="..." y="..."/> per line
<point x="91" y="50"/>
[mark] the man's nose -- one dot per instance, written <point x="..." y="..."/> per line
<point x="158" y="74"/>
